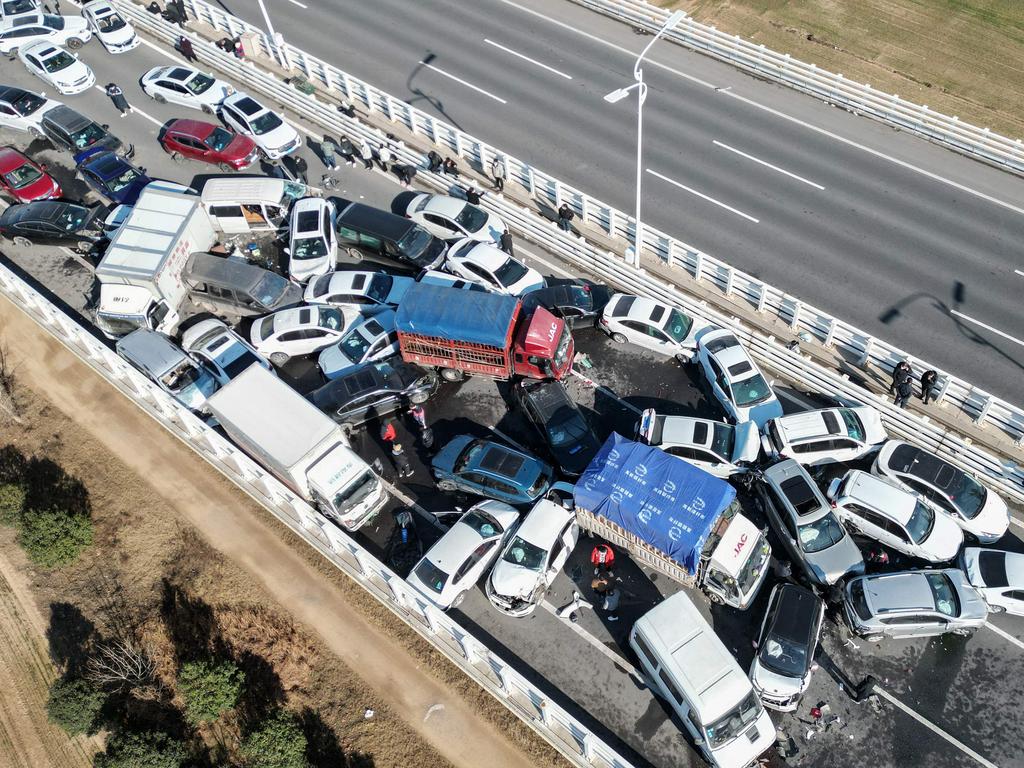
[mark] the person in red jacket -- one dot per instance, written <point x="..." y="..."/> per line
<point x="602" y="557"/>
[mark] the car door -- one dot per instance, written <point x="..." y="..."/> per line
<point x="778" y="513"/>
<point x="192" y="147"/>
<point x="864" y="521"/>
<point x="440" y="226"/>
<point x="236" y="120"/>
<point x="36" y="67"/>
<point x="474" y="482"/>
<point x="174" y="92"/>
<point x="468" y="573"/>
<point x="479" y="274"/>
<point x="720" y="387"/>
<point x="899" y="537"/>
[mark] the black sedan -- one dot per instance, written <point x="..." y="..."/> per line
<point x="373" y="390"/>
<point x="564" y="428"/>
<point x="51" y="222"/>
<point x="580" y="302"/>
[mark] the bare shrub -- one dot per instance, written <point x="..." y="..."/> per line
<point x="121" y="663"/>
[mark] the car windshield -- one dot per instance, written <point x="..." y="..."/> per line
<point x="88" y="136"/>
<point x="23" y="176"/>
<point x="309" y="248"/>
<point x="969" y="495"/>
<point x="727" y="728"/>
<point x="431" y="576"/>
<point x="751" y="391"/>
<point x="72" y="218"/>
<point x="853" y="424"/>
<point x="200" y="83"/>
<point x="921" y="523"/>
<point x="783" y="655"/>
<point x="821" y="534"/>
<point x="471" y="218"/>
<point x="219" y="139"/>
<point x="946" y="600"/>
<point x="330" y="318"/>
<point x="123" y="181"/>
<point x="471" y="452"/>
<point x="482" y="523"/>
<point x="54" y="22"/>
<point x="678" y="325"/>
<point x="181" y="377"/>
<point x="61" y="60"/>
<point x="723" y="437"/>
<point x="414" y="241"/>
<point x="380" y="287"/>
<point x="28" y="103"/>
<point x="355" y="492"/>
<point x="270" y="289"/>
<point x="265" y="123"/>
<point x="524" y="554"/>
<point x="355" y="345"/>
<point x="111" y="23"/>
<point x="511" y="272"/>
<point x="753" y="568"/>
<point x="565" y="427"/>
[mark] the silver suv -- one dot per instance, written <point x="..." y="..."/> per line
<point x="806" y="524"/>
<point x="913" y="604"/>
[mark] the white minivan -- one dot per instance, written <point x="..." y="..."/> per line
<point x="694" y="672"/>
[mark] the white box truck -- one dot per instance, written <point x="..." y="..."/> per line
<point x="140" y="274"/>
<point x="300" y="445"/>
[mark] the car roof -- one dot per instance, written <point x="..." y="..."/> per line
<point x="686" y="430"/>
<point x="911" y="460"/>
<point x="643" y="308"/>
<point x="374" y="326"/>
<point x="997" y="568"/>
<point x="881" y="496"/>
<point x="893" y="592"/>
<point x="350" y="281"/>
<point x="198" y="128"/>
<point x="41" y="210"/>
<point x="106" y="164"/>
<point x="799" y="489"/>
<point x="10" y="158"/>
<point x="548" y="397"/>
<point x="809" y="424"/>
<point x="41" y="48"/>
<point x="245" y="104"/>
<point x="544" y="522"/>
<point x="352" y="383"/>
<point x="795" y="615"/>
<point x="297" y="317"/>
<point x="306" y="214"/>
<point x="13" y="92"/>
<point x="66" y="117"/>
<point x="486" y="255"/>
<point x="374" y="221"/>
<point x="445" y="205"/>
<point x="449" y="552"/>
<point x="181" y="74"/>
<point x="500" y="460"/>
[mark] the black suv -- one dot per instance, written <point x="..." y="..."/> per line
<point x="577" y="301"/>
<point x="373" y="390"/>
<point x="52" y="222"/>
<point x="363" y="229"/>
<point x="566" y="431"/>
<point x="74" y="132"/>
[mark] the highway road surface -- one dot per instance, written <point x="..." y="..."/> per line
<point x="871" y="225"/>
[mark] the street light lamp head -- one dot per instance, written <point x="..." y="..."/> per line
<point x="617" y="95"/>
<point x="674" y="19"/>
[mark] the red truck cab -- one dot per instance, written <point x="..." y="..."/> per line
<point x="543" y="347"/>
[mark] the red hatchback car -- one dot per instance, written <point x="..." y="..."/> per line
<point x="209" y="143"/>
<point x="25" y="181"/>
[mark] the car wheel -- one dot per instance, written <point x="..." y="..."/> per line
<point x="355" y="254"/>
<point x="459" y="598"/>
<point x="74" y="43"/>
<point x="84" y="246"/>
<point x="997" y="609"/>
<point x="419" y="398"/>
<point x="450" y="374"/>
<point x="21" y="242"/>
<point x="964" y="632"/>
<point x="716" y="599"/>
<point x="207" y="109"/>
<point x="177" y="157"/>
<point x="618" y="338"/>
<point x="446" y="485"/>
<point x="159" y="99"/>
<point x="873" y="638"/>
<point x="279" y="358"/>
<point x="683" y="359"/>
<point x="226" y="167"/>
<point x="35" y="133"/>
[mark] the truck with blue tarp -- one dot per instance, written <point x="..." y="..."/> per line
<point x="673" y="517"/>
<point x="486" y="334"/>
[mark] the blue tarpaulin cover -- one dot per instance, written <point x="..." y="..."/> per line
<point x="452" y="313"/>
<point x="664" y="501"/>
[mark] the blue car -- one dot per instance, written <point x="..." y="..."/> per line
<point x="490" y="469"/>
<point x="111" y="175"/>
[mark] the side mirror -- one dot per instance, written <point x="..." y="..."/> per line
<point x="105" y="126"/>
<point x="754" y="643"/>
<point x="814" y="667"/>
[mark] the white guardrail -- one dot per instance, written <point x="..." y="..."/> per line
<point x="858" y="98"/>
<point x="1001" y="473"/>
<point x="565" y="733"/>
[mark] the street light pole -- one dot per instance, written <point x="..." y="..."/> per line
<point x="641" y="88"/>
<point x="275" y="39"/>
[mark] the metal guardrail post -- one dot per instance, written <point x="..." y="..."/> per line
<point x="866" y="354"/>
<point x="830" y="336"/>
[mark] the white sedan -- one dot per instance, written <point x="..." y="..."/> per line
<point x="998" y="576"/>
<point x="15" y="33"/>
<point x="358" y="289"/>
<point x="722" y="450"/>
<point x="299" y="331"/>
<point x="486" y="264"/>
<point x="312" y="241"/>
<point x="374" y="338"/>
<point x="735" y="380"/>
<point x="652" y="325"/>
<point x="110" y="27"/>
<point x="224" y="353"/>
<point x="9" y="8"/>
<point x="23" y="110"/>
<point x="450" y="218"/>
<point x="57" y="67"/>
<point x="272" y="134"/>
<point x="459" y="558"/>
<point x="185" y="86"/>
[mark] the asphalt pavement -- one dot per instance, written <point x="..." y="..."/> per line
<point x="872" y="225"/>
<point x="959" y="697"/>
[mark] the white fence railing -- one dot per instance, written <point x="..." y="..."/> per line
<point x="559" y="728"/>
<point x="865" y="350"/>
<point x="861" y="99"/>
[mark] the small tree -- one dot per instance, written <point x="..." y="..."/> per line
<point x="151" y="749"/>
<point x="54" y="537"/>
<point x="278" y="742"/>
<point x="209" y="688"/>
<point x="12" y="498"/>
<point x="75" y="705"/>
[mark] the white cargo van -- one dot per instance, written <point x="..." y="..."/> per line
<point x="694" y="672"/>
<point x="246" y="204"/>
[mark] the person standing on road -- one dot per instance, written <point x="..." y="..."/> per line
<point x="327" y="150"/>
<point x="402" y="463"/>
<point x="899" y="373"/>
<point x="347" y="149"/>
<point x="928" y="380"/>
<point x="419" y="415"/>
<point x="388" y="433"/>
<point x="366" y="153"/>
<point x="505" y="243"/>
<point x="565" y="217"/>
<point x="185" y="48"/>
<point x="904" y="391"/>
<point x="602" y="557"/>
<point x="498" y="172"/>
<point x="117" y="96"/>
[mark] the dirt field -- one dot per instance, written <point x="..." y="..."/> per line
<point x="960" y="57"/>
<point x="177" y="539"/>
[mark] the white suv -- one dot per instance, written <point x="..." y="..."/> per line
<point x="825" y="436"/>
<point x="312" y="241"/>
<point x="719" y="449"/>
<point x="895" y="517"/>
<point x="272" y="134"/>
<point x="735" y="380"/>
<point x="70" y="31"/>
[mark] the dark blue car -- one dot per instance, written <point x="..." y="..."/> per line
<point x="111" y="175"/>
<point x="488" y="468"/>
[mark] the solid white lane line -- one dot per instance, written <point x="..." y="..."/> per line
<point x="1005" y="635"/>
<point x="463" y="82"/>
<point x="970" y="319"/>
<point x="527" y="58"/>
<point x="716" y="142"/>
<point x="296" y="2"/>
<point x="703" y="196"/>
<point x="1017" y="521"/>
<point x="934" y="728"/>
<point x="597" y="644"/>
<point x="137" y="111"/>
<point x="1017" y="271"/>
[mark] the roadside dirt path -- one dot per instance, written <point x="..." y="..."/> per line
<point x="27" y="738"/>
<point x="224" y="517"/>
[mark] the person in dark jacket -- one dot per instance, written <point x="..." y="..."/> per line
<point x="173" y="15"/>
<point x="473" y="196"/>
<point x="153" y="8"/>
<point x="928" y="381"/>
<point x="505" y="243"/>
<point x="117" y="96"/>
<point x="327" y="151"/>
<point x="450" y="168"/>
<point x="899" y="373"/>
<point x="402" y="463"/>
<point x="565" y="217"/>
<point x="904" y="391"/>
<point x="434" y="161"/>
<point x="347" y="150"/>
<point x="405" y="173"/>
<point x="184" y="46"/>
